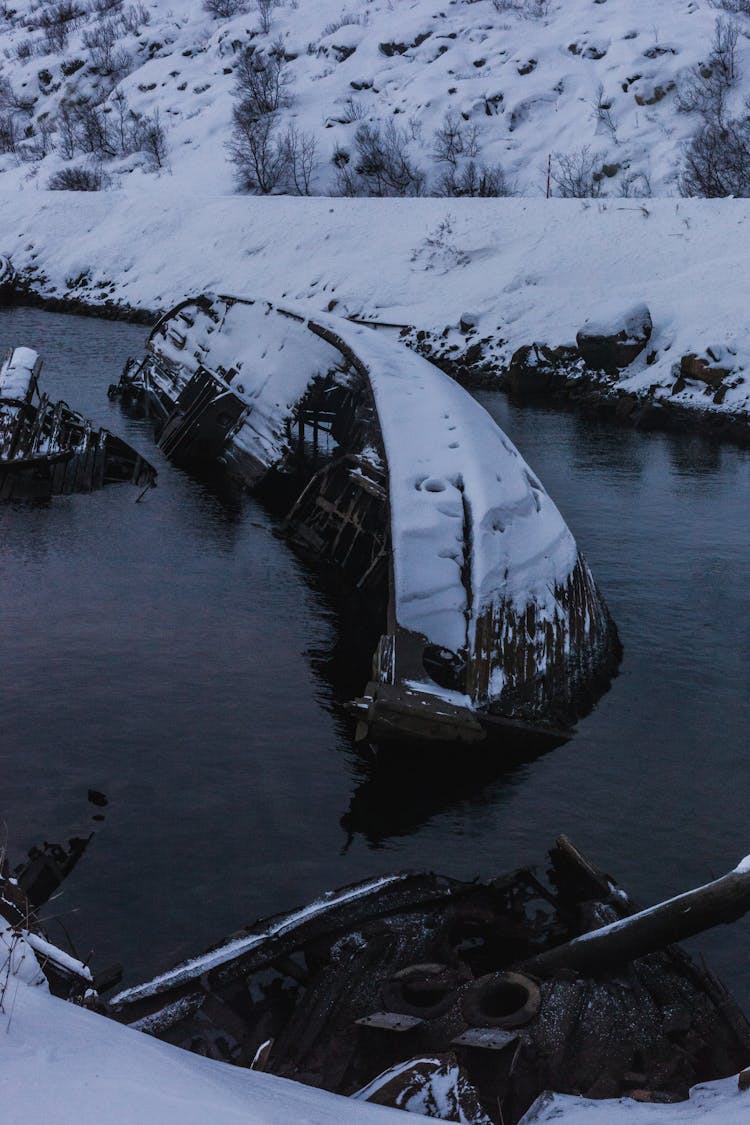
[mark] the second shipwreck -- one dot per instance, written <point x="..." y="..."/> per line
<point x="491" y="619"/>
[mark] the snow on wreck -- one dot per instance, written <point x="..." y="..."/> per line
<point x="46" y="448"/>
<point x="394" y="472"/>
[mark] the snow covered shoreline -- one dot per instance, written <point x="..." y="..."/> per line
<point x="517" y="271"/>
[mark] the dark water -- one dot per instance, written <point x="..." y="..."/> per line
<point x="175" y="655"/>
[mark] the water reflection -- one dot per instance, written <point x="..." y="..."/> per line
<point x="400" y="790"/>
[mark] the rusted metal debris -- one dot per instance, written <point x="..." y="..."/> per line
<point x="401" y="986"/>
<point x="491" y="622"/>
<point x="47" y="449"/>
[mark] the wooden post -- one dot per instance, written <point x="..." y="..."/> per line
<point x="724" y="900"/>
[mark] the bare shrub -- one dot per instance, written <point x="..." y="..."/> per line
<point x="108" y="131"/>
<point x="94" y="130"/>
<point x="11" y="100"/>
<point x="24" y="49"/>
<point x="383" y="166"/>
<point x="635" y="186"/>
<point x="57" y="20"/>
<point x="353" y="111"/>
<point x="153" y="139"/>
<point x="266" y="162"/>
<point x="40" y="143"/>
<point x="78" y="179"/>
<point x="224" y="9"/>
<point x="102" y="44"/>
<point x="265" y="7"/>
<point x="84" y="127"/>
<point x="8" y="136"/>
<point x="298" y="152"/>
<point x="530" y="9"/>
<point x="717" y="161"/>
<point x="454" y="139"/>
<point x="104" y="7"/>
<point x="603" y="112"/>
<point x="574" y="174"/>
<point x="7" y="94"/>
<point x="705" y="88"/>
<point x="262" y="81"/>
<point x="135" y="17"/>
<point x="346" y="19"/>
<point x="259" y="165"/>
<point x="734" y="7"/>
<point x="475" y="180"/>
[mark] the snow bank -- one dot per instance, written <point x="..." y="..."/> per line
<point x="711" y="1103"/>
<point x="529" y="270"/>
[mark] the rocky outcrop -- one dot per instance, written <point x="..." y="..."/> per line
<point x="705" y="368"/>
<point x="614" y="339"/>
<point x="534" y="368"/>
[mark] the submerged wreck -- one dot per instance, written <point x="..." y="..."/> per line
<point x="490" y="618"/>
<point x="47" y="449"/>
<point x="465" y="1001"/>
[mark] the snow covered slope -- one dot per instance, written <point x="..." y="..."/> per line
<point x="520" y="79"/>
<point x="524" y="270"/>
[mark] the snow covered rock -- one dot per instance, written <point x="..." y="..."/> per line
<point x="616" y="337"/>
<point x="468" y="321"/>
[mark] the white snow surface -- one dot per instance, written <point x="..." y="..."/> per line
<point x="612" y="318"/>
<point x="16" y="373"/>
<point x="529" y="269"/>
<point x="456" y="481"/>
<point x="63" y="1065"/>
<point x="711" y="1103"/>
<point x="528" y="87"/>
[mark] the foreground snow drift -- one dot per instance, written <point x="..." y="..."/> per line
<point x="711" y="1103"/>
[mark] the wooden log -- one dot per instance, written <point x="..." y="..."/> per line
<point x="725" y="900"/>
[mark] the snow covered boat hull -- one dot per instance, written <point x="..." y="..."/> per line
<point x="491" y="619"/>
<point x="47" y="449"/>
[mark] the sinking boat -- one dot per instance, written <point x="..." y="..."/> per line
<point x="465" y="1001"/>
<point x="491" y="619"/>
<point x="47" y="449"/>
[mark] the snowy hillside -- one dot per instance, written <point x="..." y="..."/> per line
<point x="460" y="97"/>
